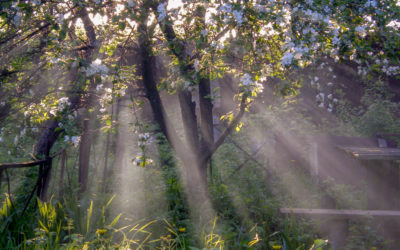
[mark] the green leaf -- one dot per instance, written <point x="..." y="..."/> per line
<point x="115" y="220"/>
<point x="89" y="216"/>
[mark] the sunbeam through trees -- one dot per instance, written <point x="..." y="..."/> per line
<point x="202" y="124"/>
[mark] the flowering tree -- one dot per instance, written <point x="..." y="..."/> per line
<point x="60" y="56"/>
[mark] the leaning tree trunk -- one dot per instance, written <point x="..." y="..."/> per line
<point x="50" y="132"/>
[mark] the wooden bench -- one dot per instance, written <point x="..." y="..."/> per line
<point x="337" y="220"/>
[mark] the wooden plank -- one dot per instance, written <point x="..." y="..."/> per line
<point x="29" y="163"/>
<point x="372" y="153"/>
<point x="21" y="164"/>
<point x="340" y="213"/>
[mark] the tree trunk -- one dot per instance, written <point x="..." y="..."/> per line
<point x="206" y="125"/>
<point x="105" y="170"/>
<point x="61" y="185"/>
<point x="42" y="151"/>
<point x="50" y="134"/>
<point x="84" y="156"/>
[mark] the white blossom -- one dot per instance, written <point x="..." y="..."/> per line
<point x="370" y="3"/>
<point x="162" y="12"/>
<point x="196" y="65"/>
<point x="287" y="58"/>
<point x="204" y="32"/>
<point x="238" y="15"/>
<point x="131" y="3"/>
<point x="226" y="8"/>
<point x="250" y="85"/>
<point x="395" y="24"/>
<point x="63" y="103"/>
<point x="75" y="140"/>
<point x="17" y="18"/>
<point x="99" y="87"/>
<point x="23" y="132"/>
<point x="246" y="80"/>
<point x="361" y="31"/>
<point x="320" y="97"/>
<point x="96" y="67"/>
<point x="60" y="19"/>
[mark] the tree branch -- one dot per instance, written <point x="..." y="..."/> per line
<point x="226" y="132"/>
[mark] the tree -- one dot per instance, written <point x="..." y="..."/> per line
<point x="261" y="44"/>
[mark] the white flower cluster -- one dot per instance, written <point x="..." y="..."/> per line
<point x="284" y="19"/>
<point x="96" y="67"/>
<point x="249" y="85"/>
<point x="391" y="70"/>
<point x="287" y="58"/>
<point x="17" y="18"/>
<point x="361" y="31"/>
<point x="105" y="98"/>
<point x="362" y="71"/>
<point x="73" y="139"/>
<point x="227" y="9"/>
<point x="162" y="11"/>
<point x="204" y="33"/>
<point x="217" y="45"/>
<point x="370" y="3"/>
<point x="238" y="15"/>
<point x="63" y="103"/>
<point x="315" y="82"/>
<point x="395" y="24"/>
<point x="316" y="16"/>
<point x="293" y="52"/>
<point x="60" y="19"/>
<point x="260" y="8"/>
<point x="312" y="32"/>
<point x="144" y="140"/>
<point x="320" y="98"/>
<point x="131" y="3"/>
<point x="196" y="65"/>
<point x="36" y="2"/>
<point x="324" y="99"/>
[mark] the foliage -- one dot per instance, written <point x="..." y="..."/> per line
<point x="67" y="60"/>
